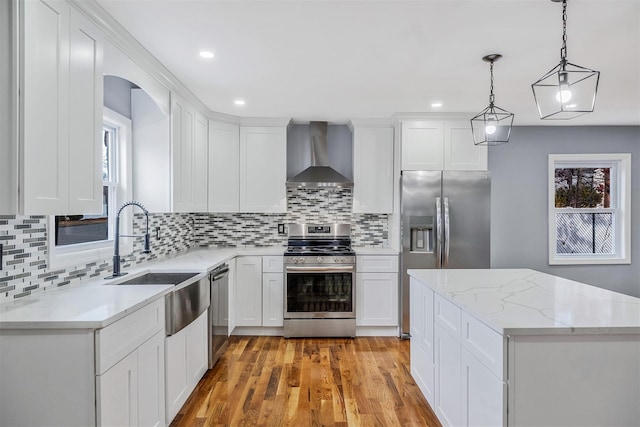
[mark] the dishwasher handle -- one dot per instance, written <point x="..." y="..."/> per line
<point x="219" y="272"/>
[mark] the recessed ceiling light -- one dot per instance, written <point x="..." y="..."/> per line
<point x="206" y="54"/>
<point x="436" y="104"/>
<point x="239" y="102"/>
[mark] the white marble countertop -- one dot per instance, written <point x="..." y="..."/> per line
<point x="364" y="250"/>
<point x="523" y="301"/>
<point x="95" y="303"/>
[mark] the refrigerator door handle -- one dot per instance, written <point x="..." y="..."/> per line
<point x="445" y="258"/>
<point x="438" y="233"/>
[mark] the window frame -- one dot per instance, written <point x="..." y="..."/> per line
<point x="620" y="190"/>
<point x="82" y="253"/>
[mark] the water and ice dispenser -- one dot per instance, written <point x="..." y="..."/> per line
<point x="421" y="233"/>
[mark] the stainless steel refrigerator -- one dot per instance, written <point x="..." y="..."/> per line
<point x="445" y="224"/>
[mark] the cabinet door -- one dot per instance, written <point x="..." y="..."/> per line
<point x="8" y="110"/>
<point x="224" y="167"/>
<point x="422" y="348"/>
<point x="448" y="378"/>
<point x="182" y="121"/>
<point x="376" y="299"/>
<point x="200" y="166"/>
<point x="373" y="170"/>
<point x="85" y="111"/>
<point x="151" y="405"/>
<point x="272" y="299"/>
<point x="44" y="177"/>
<point x="263" y="169"/>
<point x="482" y="393"/>
<point x="177" y="384"/>
<point x="248" y="291"/>
<point x="460" y="153"/>
<point x="197" y="350"/>
<point x="117" y="393"/>
<point x="422" y="145"/>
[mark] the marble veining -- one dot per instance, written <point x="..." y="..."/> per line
<point x="523" y="301"/>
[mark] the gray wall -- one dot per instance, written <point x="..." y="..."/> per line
<point x="519" y="219"/>
<point x="117" y="95"/>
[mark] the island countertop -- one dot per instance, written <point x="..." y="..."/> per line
<point x="527" y="302"/>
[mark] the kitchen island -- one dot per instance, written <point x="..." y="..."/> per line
<point x="519" y="347"/>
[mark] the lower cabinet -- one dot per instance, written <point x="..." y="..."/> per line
<point x="131" y="393"/>
<point x="377" y="290"/>
<point x="457" y="362"/>
<point x="248" y="293"/>
<point x="186" y="362"/>
<point x="259" y="291"/>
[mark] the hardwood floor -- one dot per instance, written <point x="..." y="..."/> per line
<point x="273" y="381"/>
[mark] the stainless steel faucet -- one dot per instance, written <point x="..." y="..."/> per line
<point x="116" y="247"/>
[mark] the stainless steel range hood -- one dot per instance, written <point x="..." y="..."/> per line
<point x="319" y="174"/>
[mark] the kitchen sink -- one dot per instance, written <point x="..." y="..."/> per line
<point x="182" y="305"/>
<point x="159" y="279"/>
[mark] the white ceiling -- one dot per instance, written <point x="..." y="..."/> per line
<point x="338" y="60"/>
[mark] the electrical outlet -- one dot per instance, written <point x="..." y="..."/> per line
<point x="158" y="234"/>
<point x="1" y="253"/>
<point x="281" y="229"/>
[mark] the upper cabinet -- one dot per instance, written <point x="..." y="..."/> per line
<point x="224" y="167"/>
<point x="247" y="167"/>
<point x="60" y="110"/>
<point x="169" y="155"/>
<point x="189" y="157"/>
<point x="373" y="154"/>
<point x="440" y="144"/>
<point x="8" y="111"/>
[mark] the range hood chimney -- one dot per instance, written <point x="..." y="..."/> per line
<point x="319" y="174"/>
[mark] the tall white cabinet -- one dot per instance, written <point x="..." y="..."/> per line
<point x="60" y="110"/>
<point x="8" y="111"/>
<point x="440" y="144"/>
<point x="247" y="167"/>
<point x="373" y="154"/>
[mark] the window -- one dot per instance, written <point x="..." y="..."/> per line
<point x="589" y="208"/>
<point x="88" y="237"/>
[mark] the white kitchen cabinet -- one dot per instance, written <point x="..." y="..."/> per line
<point x="189" y="156"/>
<point x="8" y="110"/>
<point x="61" y="110"/>
<point x="377" y="290"/>
<point x="263" y="169"/>
<point x="169" y="155"/>
<point x="373" y="155"/>
<point x="248" y="291"/>
<point x="272" y="291"/>
<point x="422" y="339"/>
<point x="131" y="392"/>
<point x="247" y="168"/>
<point x="186" y="361"/>
<point x="440" y="144"/>
<point x="448" y="387"/>
<point x="224" y="167"/>
<point x="482" y="394"/>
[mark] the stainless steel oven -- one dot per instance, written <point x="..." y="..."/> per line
<point x="319" y="281"/>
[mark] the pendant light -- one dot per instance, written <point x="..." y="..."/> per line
<point x="492" y="126"/>
<point x="568" y="90"/>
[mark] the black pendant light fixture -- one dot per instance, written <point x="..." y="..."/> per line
<point x="568" y="90"/>
<point x="492" y="126"/>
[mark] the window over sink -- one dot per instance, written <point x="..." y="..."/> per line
<point x="83" y="237"/>
<point x="589" y="208"/>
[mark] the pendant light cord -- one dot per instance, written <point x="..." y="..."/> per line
<point x="563" y="50"/>
<point x="491" y="96"/>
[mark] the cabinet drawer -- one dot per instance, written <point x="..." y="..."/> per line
<point x="272" y="264"/>
<point x="377" y="264"/>
<point x="484" y="343"/>
<point x="117" y="340"/>
<point x="448" y="315"/>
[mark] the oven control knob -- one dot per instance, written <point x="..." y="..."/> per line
<point x="319" y="259"/>
<point x="301" y="260"/>
<point x="343" y="259"/>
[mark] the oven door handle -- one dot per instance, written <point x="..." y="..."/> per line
<point x="346" y="268"/>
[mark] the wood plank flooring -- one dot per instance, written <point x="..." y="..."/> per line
<point x="273" y="381"/>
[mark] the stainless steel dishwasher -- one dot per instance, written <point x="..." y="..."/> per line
<point x="218" y="313"/>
